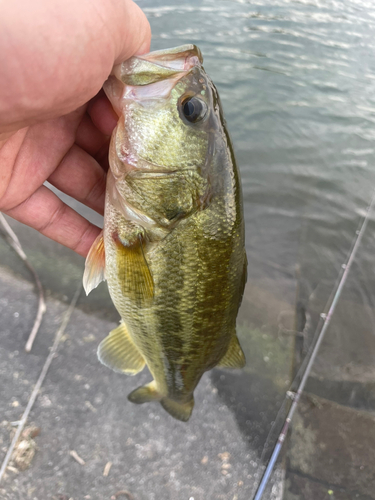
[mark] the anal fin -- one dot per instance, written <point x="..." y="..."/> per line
<point x="117" y="351"/>
<point x="95" y="264"/>
<point x="234" y="357"/>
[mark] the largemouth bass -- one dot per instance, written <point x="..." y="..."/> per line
<point x="172" y="248"/>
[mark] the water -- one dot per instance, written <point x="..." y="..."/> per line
<point x="297" y="83"/>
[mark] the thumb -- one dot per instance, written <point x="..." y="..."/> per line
<point x="60" y="53"/>
<point x="136" y="38"/>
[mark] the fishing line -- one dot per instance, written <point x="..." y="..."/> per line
<point x="14" y="242"/>
<point x="43" y="373"/>
<point x="313" y="351"/>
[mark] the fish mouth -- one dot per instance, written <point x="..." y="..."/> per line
<point x="151" y="76"/>
<point x="158" y="65"/>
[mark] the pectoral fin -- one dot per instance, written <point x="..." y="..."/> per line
<point x="134" y="273"/>
<point x="234" y="357"/>
<point x="94" y="266"/>
<point x="117" y="351"/>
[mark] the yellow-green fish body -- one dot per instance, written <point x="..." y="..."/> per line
<point x="172" y="249"/>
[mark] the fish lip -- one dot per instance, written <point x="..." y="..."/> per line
<point x="144" y="78"/>
<point x="142" y="172"/>
<point x="158" y="65"/>
<point x="176" y="58"/>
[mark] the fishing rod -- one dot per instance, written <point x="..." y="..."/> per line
<point x="326" y="318"/>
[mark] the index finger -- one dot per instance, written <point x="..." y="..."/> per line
<point x="48" y="214"/>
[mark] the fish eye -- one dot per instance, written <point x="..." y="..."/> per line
<point x="193" y="109"/>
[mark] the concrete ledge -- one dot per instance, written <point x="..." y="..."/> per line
<point x="332" y="445"/>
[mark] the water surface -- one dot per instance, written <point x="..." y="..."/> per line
<point x="297" y="83"/>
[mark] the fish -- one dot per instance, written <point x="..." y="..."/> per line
<point x="172" y="249"/>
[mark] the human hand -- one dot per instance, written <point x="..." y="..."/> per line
<point x="54" y="122"/>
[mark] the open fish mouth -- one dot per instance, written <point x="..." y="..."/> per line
<point x="151" y="75"/>
<point x="158" y="65"/>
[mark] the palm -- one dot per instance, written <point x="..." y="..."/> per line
<point x="41" y="138"/>
<point x="69" y="152"/>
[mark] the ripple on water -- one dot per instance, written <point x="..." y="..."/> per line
<point x="296" y="79"/>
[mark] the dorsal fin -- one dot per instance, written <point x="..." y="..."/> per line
<point x="234" y="357"/>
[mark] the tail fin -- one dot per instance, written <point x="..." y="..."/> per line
<point x="146" y="393"/>
<point x="180" y="411"/>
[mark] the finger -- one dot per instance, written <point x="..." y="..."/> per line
<point x="104" y="119"/>
<point x="32" y="154"/>
<point x="45" y="212"/>
<point x="9" y="150"/>
<point x="102" y="114"/>
<point x="136" y="39"/>
<point x="88" y="137"/>
<point x="80" y="176"/>
<point x="84" y="38"/>
<point x="102" y="157"/>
